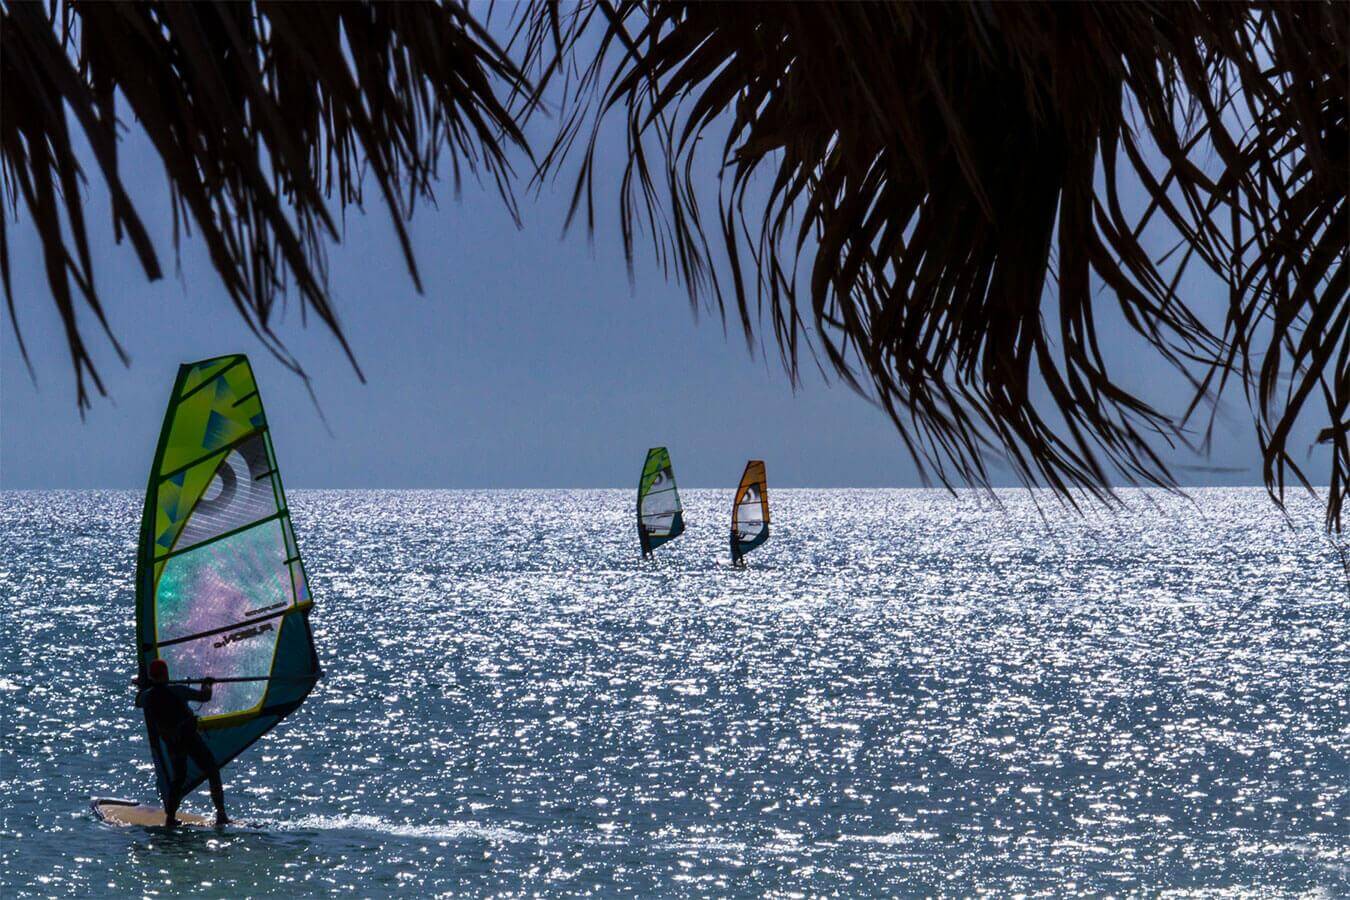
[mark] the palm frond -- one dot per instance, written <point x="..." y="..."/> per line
<point x="262" y="114"/>
<point x="949" y="177"/>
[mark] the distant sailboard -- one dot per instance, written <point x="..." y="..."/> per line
<point x="660" y="517"/>
<point x="750" y="512"/>
<point x="220" y="588"/>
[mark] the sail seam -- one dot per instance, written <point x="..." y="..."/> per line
<point x="219" y="450"/>
<point x="244" y="399"/>
<point x="201" y="634"/>
<point x="220" y="537"/>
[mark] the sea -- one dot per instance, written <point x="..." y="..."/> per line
<point x="903" y="693"/>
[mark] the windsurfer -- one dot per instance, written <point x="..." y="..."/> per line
<point x="168" y="715"/>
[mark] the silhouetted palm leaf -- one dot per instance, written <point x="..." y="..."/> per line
<point x="950" y="176"/>
<point x="260" y="112"/>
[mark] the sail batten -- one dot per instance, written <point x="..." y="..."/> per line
<point x="221" y="590"/>
<point x="750" y="511"/>
<point x="660" y="515"/>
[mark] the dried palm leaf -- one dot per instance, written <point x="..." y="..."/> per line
<point x="950" y="178"/>
<point x="261" y="113"/>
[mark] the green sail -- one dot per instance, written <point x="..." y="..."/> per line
<point x="660" y="517"/>
<point x="220" y="587"/>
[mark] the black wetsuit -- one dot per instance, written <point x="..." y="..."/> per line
<point x="169" y="716"/>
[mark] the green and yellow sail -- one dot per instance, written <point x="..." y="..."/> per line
<point x="660" y="517"/>
<point x="221" y="590"/>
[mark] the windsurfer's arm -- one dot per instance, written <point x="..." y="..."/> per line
<point x="197" y="695"/>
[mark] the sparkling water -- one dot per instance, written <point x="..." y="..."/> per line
<point x="903" y="693"/>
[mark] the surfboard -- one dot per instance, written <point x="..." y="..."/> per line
<point x="129" y="812"/>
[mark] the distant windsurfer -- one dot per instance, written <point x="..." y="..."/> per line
<point x="169" y="716"/>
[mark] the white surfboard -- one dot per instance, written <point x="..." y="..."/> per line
<point x="129" y="812"/>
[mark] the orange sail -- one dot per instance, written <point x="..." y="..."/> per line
<point x="750" y="512"/>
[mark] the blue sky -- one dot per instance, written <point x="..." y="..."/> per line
<point x="531" y="361"/>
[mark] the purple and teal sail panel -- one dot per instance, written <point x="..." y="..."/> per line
<point x="660" y="517"/>
<point x="221" y="590"/>
<point x="750" y="511"/>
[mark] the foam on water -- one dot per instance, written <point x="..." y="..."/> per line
<point x="904" y="693"/>
<point x="456" y="831"/>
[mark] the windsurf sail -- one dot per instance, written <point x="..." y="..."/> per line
<point x="750" y="511"/>
<point x="660" y="517"/>
<point x="220" y="588"/>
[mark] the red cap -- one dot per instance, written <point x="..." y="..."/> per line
<point x="159" y="670"/>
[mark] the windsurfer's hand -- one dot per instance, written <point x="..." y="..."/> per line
<point x="208" y="681"/>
